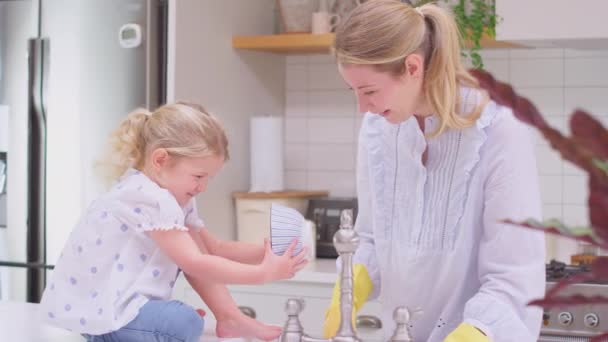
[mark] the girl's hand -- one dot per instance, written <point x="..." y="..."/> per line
<point x="275" y="267"/>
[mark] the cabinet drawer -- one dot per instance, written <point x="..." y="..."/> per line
<point x="270" y="309"/>
<point x="268" y="304"/>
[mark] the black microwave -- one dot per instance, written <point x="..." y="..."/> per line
<point x="325" y="213"/>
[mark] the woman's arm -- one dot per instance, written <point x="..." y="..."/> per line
<point x="511" y="260"/>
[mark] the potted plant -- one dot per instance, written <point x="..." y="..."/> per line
<point x="587" y="148"/>
<point x="475" y="18"/>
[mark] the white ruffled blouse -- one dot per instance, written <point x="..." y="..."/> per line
<point x="430" y="234"/>
<point x="109" y="268"/>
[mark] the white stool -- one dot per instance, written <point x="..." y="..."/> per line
<point x="22" y="322"/>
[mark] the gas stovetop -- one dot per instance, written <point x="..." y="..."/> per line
<point x="582" y="321"/>
<point x="557" y="270"/>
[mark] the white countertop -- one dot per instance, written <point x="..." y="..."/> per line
<point x="318" y="271"/>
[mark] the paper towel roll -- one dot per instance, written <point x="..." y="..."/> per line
<point x="4" y="128"/>
<point x="266" y="145"/>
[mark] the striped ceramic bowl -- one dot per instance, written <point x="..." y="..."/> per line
<point x="286" y="224"/>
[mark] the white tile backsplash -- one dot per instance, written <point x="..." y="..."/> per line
<point x="340" y="184"/>
<point x="576" y="215"/>
<point x="586" y="72"/>
<point x="592" y="100"/>
<point x="499" y="68"/>
<point x="331" y="157"/>
<point x="322" y="59"/>
<point x="295" y="180"/>
<point x="551" y="189"/>
<point x="570" y="53"/>
<point x="552" y="211"/>
<point x="548" y="161"/>
<point x="517" y="54"/>
<point x="576" y="190"/>
<point x="572" y="170"/>
<point x="325" y="77"/>
<point x="296" y="77"/>
<point x="295" y="157"/>
<point x="322" y="123"/>
<point x="332" y="103"/>
<point x="537" y="72"/>
<point x="331" y="130"/>
<point x="549" y="100"/>
<point x="295" y="59"/>
<point x="296" y="130"/>
<point x="494" y="54"/>
<point x="296" y="103"/>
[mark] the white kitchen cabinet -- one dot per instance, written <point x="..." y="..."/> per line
<point x="314" y="285"/>
<point x="553" y="23"/>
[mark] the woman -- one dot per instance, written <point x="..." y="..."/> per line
<point x="439" y="167"/>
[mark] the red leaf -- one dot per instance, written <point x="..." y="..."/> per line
<point x="598" y="207"/>
<point x="590" y="133"/>
<point x="599" y="268"/>
<point x="566" y="301"/>
<point x="504" y="95"/>
<point x="525" y="111"/>
<point x="547" y="228"/>
<point x="600" y="338"/>
<point x="562" y="284"/>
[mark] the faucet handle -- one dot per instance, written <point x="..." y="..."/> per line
<point x="293" y="307"/>
<point x="293" y="330"/>
<point x="402" y="316"/>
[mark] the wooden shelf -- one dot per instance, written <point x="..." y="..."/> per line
<point x="300" y="43"/>
<point x="304" y="43"/>
<point x="281" y="194"/>
<point x="491" y="43"/>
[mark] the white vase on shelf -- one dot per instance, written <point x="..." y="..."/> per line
<point x="296" y="15"/>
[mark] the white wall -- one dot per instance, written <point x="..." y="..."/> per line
<point x="232" y="84"/>
<point x="322" y="122"/>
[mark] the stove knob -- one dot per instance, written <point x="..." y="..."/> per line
<point x="591" y="320"/>
<point x="565" y="318"/>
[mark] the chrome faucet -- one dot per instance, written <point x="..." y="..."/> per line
<point x="346" y="241"/>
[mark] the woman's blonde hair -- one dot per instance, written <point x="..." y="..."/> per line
<point x="383" y="33"/>
<point x="182" y="129"/>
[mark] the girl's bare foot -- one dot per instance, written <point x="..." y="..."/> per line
<point x="245" y="326"/>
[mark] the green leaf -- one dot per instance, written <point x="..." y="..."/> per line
<point x="601" y="164"/>
<point x="556" y="226"/>
<point x="481" y="18"/>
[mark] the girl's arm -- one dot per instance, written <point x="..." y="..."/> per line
<point x="245" y="252"/>
<point x="182" y="249"/>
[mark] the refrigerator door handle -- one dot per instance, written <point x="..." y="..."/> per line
<point x="38" y="66"/>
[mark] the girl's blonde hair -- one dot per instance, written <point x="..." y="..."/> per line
<point x="182" y="129"/>
<point x="383" y="33"/>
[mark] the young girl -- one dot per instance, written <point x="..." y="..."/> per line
<point x="439" y="166"/>
<point x="114" y="278"/>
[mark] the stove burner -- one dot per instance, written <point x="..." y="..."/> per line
<point x="557" y="270"/>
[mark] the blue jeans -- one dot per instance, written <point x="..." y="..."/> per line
<point x="158" y="321"/>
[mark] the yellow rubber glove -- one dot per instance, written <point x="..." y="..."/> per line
<point x="362" y="288"/>
<point x="466" y="333"/>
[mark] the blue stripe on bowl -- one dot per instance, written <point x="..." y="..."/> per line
<point x="286" y="224"/>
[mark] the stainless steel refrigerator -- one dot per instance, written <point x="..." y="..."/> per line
<point x="70" y="70"/>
